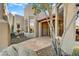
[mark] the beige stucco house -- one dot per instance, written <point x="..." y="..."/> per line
<point x="63" y="19"/>
<point x="63" y="15"/>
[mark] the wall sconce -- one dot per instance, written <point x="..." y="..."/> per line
<point x="77" y="5"/>
<point x="78" y="13"/>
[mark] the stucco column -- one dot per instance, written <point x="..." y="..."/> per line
<point x="0" y="11"/>
<point x="56" y="22"/>
<point x="13" y="30"/>
<point x="28" y="25"/>
<point x="35" y="28"/>
<point x="40" y="29"/>
<point x="25" y="25"/>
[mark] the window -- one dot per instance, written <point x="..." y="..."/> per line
<point x="18" y="28"/>
<point x="18" y="25"/>
<point x="60" y="20"/>
<point x="31" y="25"/>
<point x="77" y="23"/>
<point x="77" y="29"/>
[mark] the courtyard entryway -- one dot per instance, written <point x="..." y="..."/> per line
<point x="41" y="45"/>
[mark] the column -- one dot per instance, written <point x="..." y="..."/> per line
<point x="28" y="25"/>
<point x="56" y="22"/>
<point x="0" y="11"/>
<point x="40" y="29"/>
<point x="35" y="28"/>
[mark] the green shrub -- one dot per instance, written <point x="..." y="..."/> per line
<point x="75" y="52"/>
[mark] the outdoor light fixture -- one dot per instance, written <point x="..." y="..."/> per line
<point x="78" y="13"/>
<point x="77" y="5"/>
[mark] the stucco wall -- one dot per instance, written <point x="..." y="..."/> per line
<point x="4" y="35"/>
<point x="41" y="16"/>
<point x="4" y="31"/>
<point x="27" y="11"/>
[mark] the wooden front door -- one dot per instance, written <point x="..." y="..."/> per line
<point x="44" y="29"/>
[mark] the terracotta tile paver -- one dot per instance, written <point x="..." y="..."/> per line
<point x="37" y="43"/>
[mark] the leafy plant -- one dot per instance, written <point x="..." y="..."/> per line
<point x="75" y="52"/>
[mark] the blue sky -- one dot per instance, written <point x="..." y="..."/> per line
<point x="16" y="8"/>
